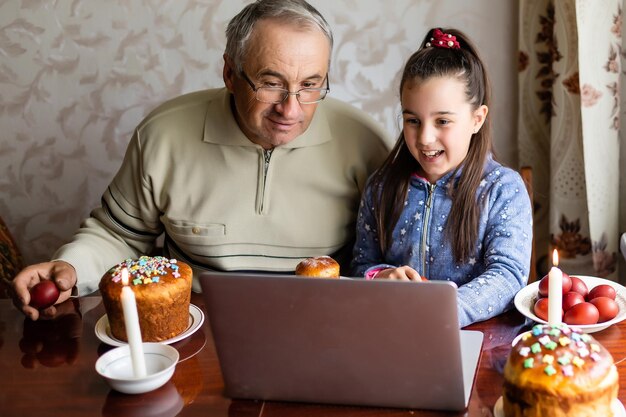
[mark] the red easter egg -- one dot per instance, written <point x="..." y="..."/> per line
<point x="44" y="294"/>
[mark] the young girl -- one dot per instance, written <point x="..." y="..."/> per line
<point x="440" y="207"/>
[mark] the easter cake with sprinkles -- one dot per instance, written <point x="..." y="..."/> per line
<point x="558" y="371"/>
<point x="162" y="289"/>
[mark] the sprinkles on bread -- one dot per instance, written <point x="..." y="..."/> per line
<point x="145" y="270"/>
<point x="543" y="352"/>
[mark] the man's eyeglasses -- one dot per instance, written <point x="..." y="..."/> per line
<point x="275" y="95"/>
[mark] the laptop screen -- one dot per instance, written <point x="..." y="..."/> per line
<point x="341" y="341"/>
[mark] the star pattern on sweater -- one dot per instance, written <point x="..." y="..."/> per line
<point x="499" y="215"/>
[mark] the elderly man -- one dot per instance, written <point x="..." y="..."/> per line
<point x="255" y="176"/>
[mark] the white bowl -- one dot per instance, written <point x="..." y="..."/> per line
<point x="526" y="297"/>
<point x="116" y="368"/>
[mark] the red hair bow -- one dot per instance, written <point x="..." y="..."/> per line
<point x="443" y="40"/>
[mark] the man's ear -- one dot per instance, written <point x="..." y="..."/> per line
<point x="229" y="73"/>
<point x="480" y="115"/>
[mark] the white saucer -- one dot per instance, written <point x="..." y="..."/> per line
<point x="617" y="407"/>
<point x="196" y="318"/>
<point x="518" y="337"/>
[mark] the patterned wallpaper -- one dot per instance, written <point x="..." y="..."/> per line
<point x="77" y="76"/>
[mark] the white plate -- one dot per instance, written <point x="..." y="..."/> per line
<point x="196" y="318"/>
<point x="526" y="297"/>
<point x="616" y="406"/>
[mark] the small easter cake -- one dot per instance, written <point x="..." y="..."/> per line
<point x="162" y="289"/>
<point x="557" y="371"/>
<point x="320" y="267"/>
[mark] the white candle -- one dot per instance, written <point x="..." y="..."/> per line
<point x="555" y="291"/>
<point x="133" y="333"/>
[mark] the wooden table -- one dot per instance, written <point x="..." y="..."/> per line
<point x="47" y="369"/>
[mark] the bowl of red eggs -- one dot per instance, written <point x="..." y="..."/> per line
<point x="588" y="303"/>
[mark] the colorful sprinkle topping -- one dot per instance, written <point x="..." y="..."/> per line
<point x="145" y="270"/>
<point x="551" y="345"/>
<point x="549" y="370"/>
<point x="564" y="360"/>
<point x="568" y="370"/>
<point x="557" y="349"/>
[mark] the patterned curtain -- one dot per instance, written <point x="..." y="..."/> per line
<point x="11" y="261"/>
<point x="569" y="130"/>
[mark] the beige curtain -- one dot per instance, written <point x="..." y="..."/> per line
<point x="569" y="129"/>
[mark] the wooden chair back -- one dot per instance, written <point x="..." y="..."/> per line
<point x="527" y="175"/>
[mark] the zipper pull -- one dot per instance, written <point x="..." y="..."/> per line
<point x="267" y="155"/>
<point x="431" y="190"/>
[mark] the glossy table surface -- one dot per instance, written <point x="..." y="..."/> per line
<point x="47" y="368"/>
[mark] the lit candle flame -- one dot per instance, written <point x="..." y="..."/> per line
<point x="125" y="276"/>
<point x="555" y="258"/>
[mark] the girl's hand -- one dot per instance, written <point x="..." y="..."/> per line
<point x="402" y="273"/>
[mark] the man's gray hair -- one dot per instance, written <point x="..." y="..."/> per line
<point x="291" y="12"/>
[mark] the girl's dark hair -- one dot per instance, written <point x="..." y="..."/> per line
<point x="391" y="181"/>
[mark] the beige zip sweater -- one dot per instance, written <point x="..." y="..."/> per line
<point x="190" y="173"/>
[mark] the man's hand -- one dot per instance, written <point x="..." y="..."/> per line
<point x="61" y="273"/>
<point x="402" y="273"/>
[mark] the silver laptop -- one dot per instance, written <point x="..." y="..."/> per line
<point x="341" y="341"/>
